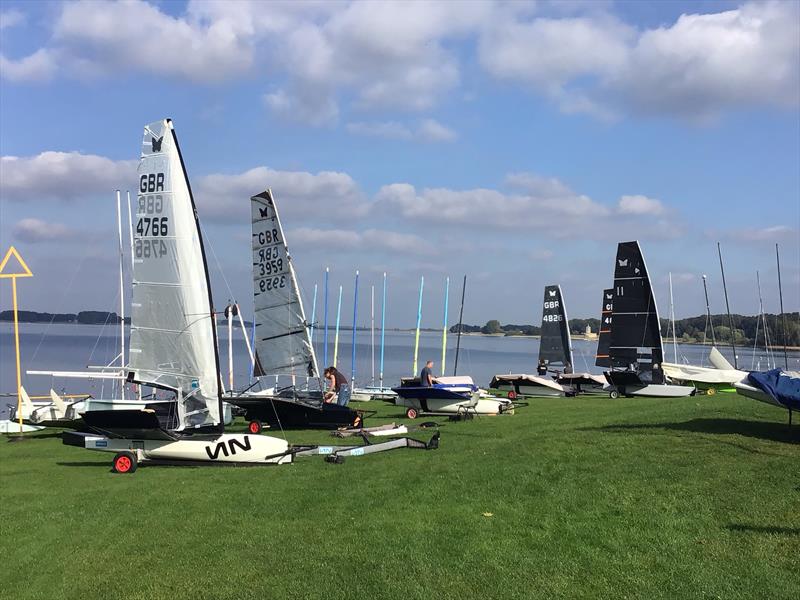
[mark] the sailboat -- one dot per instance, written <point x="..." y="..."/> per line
<point x="283" y="345"/>
<point x="635" y="346"/>
<point x="173" y="343"/>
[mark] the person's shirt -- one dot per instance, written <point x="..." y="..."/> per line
<point x="542" y="369"/>
<point x="339" y="381"/>
<point x="425" y="377"/>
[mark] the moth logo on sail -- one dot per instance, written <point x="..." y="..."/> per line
<point x="264" y="212"/>
<point x="156" y="143"/>
<point x="151" y="182"/>
<point x="552" y="293"/>
<point x="230" y="448"/>
<point x="622" y="263"/>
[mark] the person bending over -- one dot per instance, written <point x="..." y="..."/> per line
<point x="335" y="380"/>
<point x="426" y="378"/>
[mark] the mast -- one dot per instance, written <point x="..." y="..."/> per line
<point x="336" y="337"/>
<point x="728" y="309"/>
<point x="672" y="319"/>
<point x="783" y="314"/>
<point x="130" y="228"/>
<point x="763" y="321"/>
<point x="313" y="315"/>
<point x="121" y="294"/>
<point x="325" y="336"/>
<point x="460" y="323"/>
<point x="709" y="320"/>
<point x="444" y="325"/>
<point x="383" y="328"/>
<point x="419" y="321"/>
<point x="372" y="329"/>
<point x="229" y="316"/>
<point x="353" y="345"/>
<point x="245" y="336"/>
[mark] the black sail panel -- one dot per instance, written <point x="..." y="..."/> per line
<point x="604" y="337"/>
<point x="555" y="344"/>
<point x="635" y="338"/>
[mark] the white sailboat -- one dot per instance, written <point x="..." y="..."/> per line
<point x="173" y="344"/>
<point x="636" y="349"/>
<point x="283" y="348"/>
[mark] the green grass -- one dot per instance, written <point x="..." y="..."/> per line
<point x="630" y="498"/>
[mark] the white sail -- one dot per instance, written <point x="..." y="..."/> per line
<point x="173" y="341"/>
<point x="283" y="344"/>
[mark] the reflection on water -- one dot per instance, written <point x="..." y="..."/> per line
<point x="73" y="347"/>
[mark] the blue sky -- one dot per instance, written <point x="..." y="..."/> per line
<point x="513" y="142"/>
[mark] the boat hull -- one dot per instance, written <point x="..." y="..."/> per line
<point x="283" y="413"/>
<point x="528" y="385"/>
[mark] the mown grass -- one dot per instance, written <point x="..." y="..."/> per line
<point x="630" y="498"/>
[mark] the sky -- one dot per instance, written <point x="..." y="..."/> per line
<point x="515" y="143"/>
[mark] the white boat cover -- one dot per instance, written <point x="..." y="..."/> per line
<point x="283" y="340"/>
<point x="722" y="374"/>
<point x="173" y="342"/>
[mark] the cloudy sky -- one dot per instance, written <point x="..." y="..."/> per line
<point x="513" y="142"/>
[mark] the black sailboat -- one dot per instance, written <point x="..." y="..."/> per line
<point x="601" y="358"/>
<point x="555" y="353"/>
<point x="635" y="349"/>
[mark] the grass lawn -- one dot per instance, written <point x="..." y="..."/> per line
<point x="589" y="498"/>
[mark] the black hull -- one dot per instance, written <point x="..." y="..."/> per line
<point x="288" y="414"/>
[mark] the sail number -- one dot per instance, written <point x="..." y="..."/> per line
<point x="270" y="267"/>
<point x="272" y="283"/>
<point x="270" y="236"/>
<point x="153" y="226"/>
<point x="149" y="248"/>
<point x="551" y="318"/>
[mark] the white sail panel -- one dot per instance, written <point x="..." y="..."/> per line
<point x="173" y="343"/>
<point x="283" y="344"/>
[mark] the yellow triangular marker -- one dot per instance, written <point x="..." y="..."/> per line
<point x="24" y="271"/>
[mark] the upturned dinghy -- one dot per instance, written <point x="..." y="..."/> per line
<point x="635" y="348"/>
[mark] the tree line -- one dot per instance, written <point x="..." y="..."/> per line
<point x="689" y="330"/>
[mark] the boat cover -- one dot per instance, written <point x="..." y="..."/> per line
<point x="783" y="386"/>
<point x="498" y="380"/>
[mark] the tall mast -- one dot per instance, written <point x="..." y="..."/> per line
<point x="783" y="314"/>
<point x="419" y="321"/>
<point x="672" y="319"/>
<point x="325" y="336"/>
<point x="444" y="325"/>
<point x="763" y="321"/>
<point x="709" y="320"/>
<point x="353" y="345"/>
<point x="728" y="309"/>
<point x="460" y="322"/>
<point x="383" y="328"/>
<point x="229" y="316"/>
<point x="130" y="228"/>
<point x="121" y="294"/>
<point x="336" y="336"/>
<point x="372" y="329"/>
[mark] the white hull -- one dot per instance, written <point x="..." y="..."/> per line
<point x="749" y="391"/>
<point x="477" y="404"/>
<point x="703" y="375"/>
<point x="224" y="448"/>
<point x="532" y="390"/>
<point x="661" y="390"/>
<point x="9" y="426"/>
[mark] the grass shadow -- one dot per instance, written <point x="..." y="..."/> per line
<point x="83" y="463"/>
<point x="15" y="437"/>
<point x="764" y="529"/>
<point x="776" y="432"/>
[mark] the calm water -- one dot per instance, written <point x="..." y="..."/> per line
<point x="73" y="347"/>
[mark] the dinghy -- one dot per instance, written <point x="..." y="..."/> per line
<point x="173" y="344"/>
<point x="635" y="346"/>
<point x="776" y="387"/>
<point x="722" y="376"/>
<point x="555" y="350"/>
<point x="283" y="347"/>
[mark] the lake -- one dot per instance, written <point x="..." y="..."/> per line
<point x="73" y="347"/>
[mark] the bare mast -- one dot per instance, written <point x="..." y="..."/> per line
<point x="728" y="309"/>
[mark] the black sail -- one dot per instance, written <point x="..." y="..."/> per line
<point x="604" y="338"/>
<point x="555" y="346"/>
<point x="635" y="339"/>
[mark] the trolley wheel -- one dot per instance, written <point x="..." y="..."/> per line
<point x="334" y="459"/>
<point x="711" y="391"/>
<point x="255" y="427"/>
<point x="124" y="462"/>
<point x="512" y="395"/>
<point x="613" y="394"/>
<point x="412" y="413"/>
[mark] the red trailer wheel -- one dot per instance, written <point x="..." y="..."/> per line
<point x="255" y="427"/>
<point x="412" y="413"/>
<point x="124" y="462"/>
<point x="512" y="395"/>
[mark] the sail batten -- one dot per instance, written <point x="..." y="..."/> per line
<point x="172" y="331"/>
<point x="284" y="344"/>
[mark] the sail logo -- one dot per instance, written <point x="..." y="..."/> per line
<point x="609" y="296"/>
<point x="264" y="212"/>
<point x="552" y="293"/>
<point x="156" y="143"/>
<point x="622" y="263"/>
<point x="151" y="182"/>
<point x="229" y="449"/>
